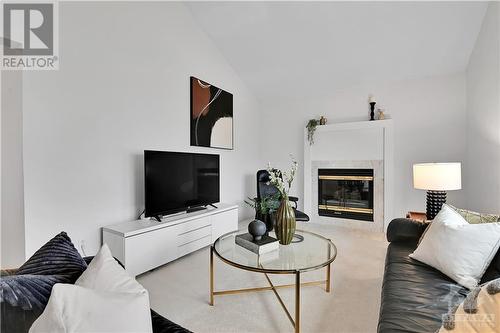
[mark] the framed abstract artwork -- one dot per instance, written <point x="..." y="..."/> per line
<point x="211" y="115"/>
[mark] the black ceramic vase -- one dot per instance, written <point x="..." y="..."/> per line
<point x="257" y="229"/>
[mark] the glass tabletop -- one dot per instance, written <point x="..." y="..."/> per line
<point x="313" y="252"/>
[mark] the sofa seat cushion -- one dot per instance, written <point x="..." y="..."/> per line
<point x="414" y="295"/>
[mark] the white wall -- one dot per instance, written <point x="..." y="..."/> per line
<point x="429" y="122"/>
<point x="122" y="87"/>
<point x="482" y="169"/>
<point x="12" y="203"/>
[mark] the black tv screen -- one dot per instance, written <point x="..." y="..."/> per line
<point x="177" y="181"/>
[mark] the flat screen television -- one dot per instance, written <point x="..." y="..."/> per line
<point x="176" y="181"/>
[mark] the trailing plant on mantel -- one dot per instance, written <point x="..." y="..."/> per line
<point x="311" y="128"/>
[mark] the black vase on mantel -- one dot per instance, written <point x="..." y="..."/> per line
<point x="372" y="110"/>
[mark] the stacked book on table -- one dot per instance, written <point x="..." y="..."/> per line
<point x="264" y="245"/>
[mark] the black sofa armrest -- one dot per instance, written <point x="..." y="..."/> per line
<point x="405" y="229"/>
<point x="163" y="325"/>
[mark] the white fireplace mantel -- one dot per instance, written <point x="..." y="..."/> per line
<point x="352" y="141"/>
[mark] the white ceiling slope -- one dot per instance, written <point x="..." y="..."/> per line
<point x="302" y="49"/>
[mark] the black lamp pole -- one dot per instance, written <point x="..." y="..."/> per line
<point x="436" y="179"/>
<point x="435" y="201"/>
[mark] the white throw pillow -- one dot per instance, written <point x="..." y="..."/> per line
<point x="104" y="273"/>
<point x="74" y="309"/>
<point x="104" y="299"/>
<point x="458" y="249"/>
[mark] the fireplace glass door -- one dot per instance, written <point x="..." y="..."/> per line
<point x="346" y="193"/>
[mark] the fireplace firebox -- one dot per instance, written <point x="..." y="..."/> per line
<point x="346" y="193"/>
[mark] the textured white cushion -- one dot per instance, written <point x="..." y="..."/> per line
<point x="104" y="299"/>
<point x="458" y="249"/>
<point x="104" y="273"/>
<point x="486" y="319"/>
<point x="76" y="309"/>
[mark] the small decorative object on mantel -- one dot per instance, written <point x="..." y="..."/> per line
<point x="257" y="229"/>
<point x="322" y="120"/>
<point x="381" y="115"/>
<point x="285" y="216"/>
<point x="264" y="245"/>
<point x="372" y="102"/>
<point x="311" y="128"/>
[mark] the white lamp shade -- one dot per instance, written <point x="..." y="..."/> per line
<point x="437" y="176"/>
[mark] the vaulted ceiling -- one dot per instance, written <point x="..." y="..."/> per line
<point x="301" y="49"/>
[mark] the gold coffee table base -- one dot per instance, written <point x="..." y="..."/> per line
<point x="295" y="322"/>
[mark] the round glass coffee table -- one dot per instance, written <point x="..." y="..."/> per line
<point x="312" y="253"/>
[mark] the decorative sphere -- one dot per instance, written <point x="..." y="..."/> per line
<point x="257" y="229"/>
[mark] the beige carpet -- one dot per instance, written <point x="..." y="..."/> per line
<point x="179" y="291"/>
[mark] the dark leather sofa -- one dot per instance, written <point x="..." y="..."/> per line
<point x="415" y="296"/>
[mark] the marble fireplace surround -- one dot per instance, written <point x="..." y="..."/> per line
<point x="352" y="145"/>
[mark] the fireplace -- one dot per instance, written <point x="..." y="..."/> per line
<point x="346" y="193"/>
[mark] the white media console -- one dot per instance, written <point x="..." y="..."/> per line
<point x="146" y="244"/>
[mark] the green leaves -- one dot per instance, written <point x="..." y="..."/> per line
<point x="311" y="128"/>
<point x="265" y="205"/>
